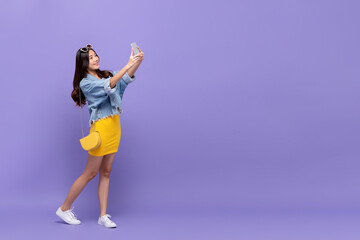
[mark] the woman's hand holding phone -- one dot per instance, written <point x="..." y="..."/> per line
<point x="135" y="59"/>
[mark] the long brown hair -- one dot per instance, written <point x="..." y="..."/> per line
<point x="82" y="63"/>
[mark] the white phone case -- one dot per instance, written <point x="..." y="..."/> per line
<point x="134" y="47"/>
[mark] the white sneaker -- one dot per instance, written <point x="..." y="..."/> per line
<point x="104" y="220"/>
<point x="68" y="216"/>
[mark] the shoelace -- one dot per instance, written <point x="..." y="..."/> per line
<point x="106" y="217"/>
<point x="72" y="214"/>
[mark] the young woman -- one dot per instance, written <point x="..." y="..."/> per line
<point x="103" y="91"/>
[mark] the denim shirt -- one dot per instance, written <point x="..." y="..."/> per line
<point x="100" y="95"/>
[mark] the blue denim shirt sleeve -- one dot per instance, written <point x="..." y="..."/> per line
<point x="126" y="78"/>
<point x="93" y="88"/>
<point x="108" y="88"/>
<point x="98" y="88"/>
<point x="123" y="82"/>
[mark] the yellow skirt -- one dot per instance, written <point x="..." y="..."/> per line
<point x="110" y="134"/>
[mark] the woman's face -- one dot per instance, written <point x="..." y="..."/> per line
<point x="93" y="60"/>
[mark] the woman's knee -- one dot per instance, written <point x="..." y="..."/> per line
<point x="90" y="174"/>
<point x="105" y="172"/>
<point x="92" y="166"/>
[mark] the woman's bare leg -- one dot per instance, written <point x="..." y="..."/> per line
<point x="91" y="170"/>
<point x="104" y="180"/>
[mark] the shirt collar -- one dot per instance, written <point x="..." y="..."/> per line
<point x="91" y="76"/>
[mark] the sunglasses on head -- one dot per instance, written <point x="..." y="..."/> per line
<point x="86" y="49"/>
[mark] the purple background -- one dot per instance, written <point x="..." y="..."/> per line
<point x="243" y="121"/>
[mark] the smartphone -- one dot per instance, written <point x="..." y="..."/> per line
<point x="134" y="47"/>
